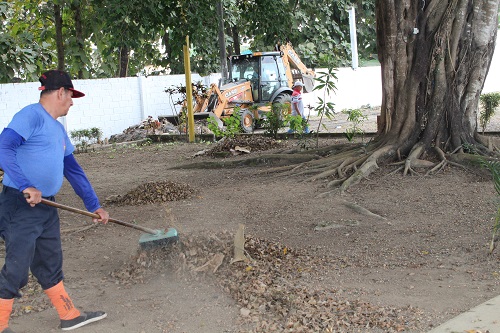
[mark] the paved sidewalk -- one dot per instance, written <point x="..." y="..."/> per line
<point x="484" y="318"/>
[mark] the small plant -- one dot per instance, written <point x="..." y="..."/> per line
<point x="86" y="137"/>
<point x="324" y="108"/>
<point x="232" y="125"/>
<point x="178" y="101"/>
<point x="356" y="117"/>
<point x="489" y="103"/>
<point x="275" y="120"/>
<point x="494" y="168"/>
<point x="213" y="126"/>
<point x="297" y="124"/>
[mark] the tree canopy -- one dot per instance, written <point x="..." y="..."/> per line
<point x="117" y="38"/>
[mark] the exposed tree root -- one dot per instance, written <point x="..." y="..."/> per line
<point x="346" y="165"/>
<point x="361" y="210"/>
<point x="272" y="159"/>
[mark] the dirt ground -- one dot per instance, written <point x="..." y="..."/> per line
<point x="317" y="264"/>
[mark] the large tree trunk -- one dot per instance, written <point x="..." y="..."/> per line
<point x="59" y="37"/>
<point x="76" y="8"/>
<point x="124" y="59"/>
<point x="236" y="40"/>
<point x="435" y="55"/>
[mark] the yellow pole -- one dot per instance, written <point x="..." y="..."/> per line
<point x="189" y="91"/>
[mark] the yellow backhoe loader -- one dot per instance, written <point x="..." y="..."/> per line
<point x="255" y="81"/>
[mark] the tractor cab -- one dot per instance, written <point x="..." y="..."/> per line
<point x="264" y="70"/>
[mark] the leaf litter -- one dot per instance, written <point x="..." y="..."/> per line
<point x="273" y="287"/>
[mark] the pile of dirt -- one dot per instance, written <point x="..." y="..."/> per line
<point x="242" y="144"/>
<point x="273" y="287"/>
<point x="152" y="192"/>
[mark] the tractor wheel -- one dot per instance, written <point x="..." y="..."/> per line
<point x="247" y="121"/>
<point x="283" y="98"/>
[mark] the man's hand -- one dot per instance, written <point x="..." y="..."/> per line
<point x="103" y="214"/>
<point x="33" y="196"/>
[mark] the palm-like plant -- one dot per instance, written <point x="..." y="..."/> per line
<point x="494" y="168"/>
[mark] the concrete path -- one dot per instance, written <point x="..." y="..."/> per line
<point x="484" y="318"/>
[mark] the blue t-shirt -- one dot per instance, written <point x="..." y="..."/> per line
<point x="41" y="156"/>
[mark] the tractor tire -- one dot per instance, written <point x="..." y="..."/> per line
<point x="283" y="98"/>
<point x="247" y="121"/>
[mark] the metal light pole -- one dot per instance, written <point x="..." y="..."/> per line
<point x="354" y="40"/>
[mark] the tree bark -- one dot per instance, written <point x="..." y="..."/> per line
<point x="76" y="7"/>
<point x="124" y="58"/>
<point x="59" y="37"/>
<point x="236" y="40"/>
<point x="434" y="55"/>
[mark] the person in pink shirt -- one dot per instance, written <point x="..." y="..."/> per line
<point x="298" y="104"/>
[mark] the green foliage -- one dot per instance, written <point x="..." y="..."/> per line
<point x="299" y="127"/>
<point x="320" y="31"/>
<point x="325" y="82"/>
<point x="494" y="168"/>
<point x="152" y="33"/>
<point x="489" y="103"/>
<point x="275" y="120"/>
<point x="232" y="125"/>
<point x="356" y="117"/>
<point x="86" y="137"/>
<point x="22" y="53"/>
<point x="297" y="124"/>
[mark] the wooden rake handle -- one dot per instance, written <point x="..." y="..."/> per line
<point x="94" y="215"/>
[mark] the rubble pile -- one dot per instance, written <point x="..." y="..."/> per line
<point x="152" y="126"/>
<point x="152" y="192"/>
<point x="142" y="130"/>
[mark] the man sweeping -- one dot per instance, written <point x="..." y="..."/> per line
<point x="35" y="154"/>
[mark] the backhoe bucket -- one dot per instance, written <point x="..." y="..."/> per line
<point x="175" y="120"/>
<point x="308" y="83"/>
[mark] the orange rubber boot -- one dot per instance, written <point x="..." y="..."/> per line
<point x="62" y="302"/>
<point x="5" y="311"/>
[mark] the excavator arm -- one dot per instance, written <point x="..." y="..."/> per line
<point x="295" y="68"/>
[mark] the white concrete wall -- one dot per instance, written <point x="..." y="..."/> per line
<point x="354" y="88"/>
<point x="109" y="104"/>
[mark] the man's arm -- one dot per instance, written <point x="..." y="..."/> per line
<point x="80" y="183"/>
<point x="9" y="142"/>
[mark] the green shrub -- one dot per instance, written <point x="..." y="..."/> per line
<point x="275" y="120"/>
<point x="356" y="117"/>
<point x="232" y="125"/>
<point x="86" y="137"/>
<point x="489" y="103"/>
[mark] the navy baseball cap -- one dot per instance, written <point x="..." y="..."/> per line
<point x="55" y="79"/>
